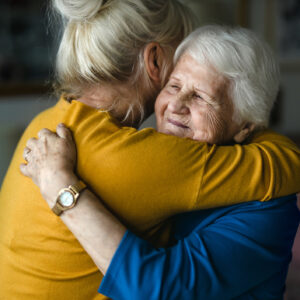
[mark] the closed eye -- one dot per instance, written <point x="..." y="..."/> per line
<point x="173" y="88"/>
<point x="176" y="87"/>
<point x="198" y="96"/>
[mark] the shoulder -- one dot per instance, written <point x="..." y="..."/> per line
<point x="286" y="205"/>
<point x="273" y="223"/>
<point x="48" y="118"/>
<point x="264" y="211"/>
<point x="267" y="135"/>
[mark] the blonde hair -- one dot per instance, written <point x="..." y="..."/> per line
<point x="103" y="41"/>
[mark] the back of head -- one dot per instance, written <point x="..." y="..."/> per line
<point x="248" y="62"/>
<point x="103" y="41"/>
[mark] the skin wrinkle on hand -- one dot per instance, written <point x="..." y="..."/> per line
<point x="61" y="148"/>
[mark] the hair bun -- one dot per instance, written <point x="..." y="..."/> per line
<point x="78" y="9"/>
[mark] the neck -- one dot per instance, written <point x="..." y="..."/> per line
<point x="114" y="100"/>
<point x="101" y="97"/>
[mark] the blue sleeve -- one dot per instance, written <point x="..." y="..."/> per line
<point x="230" y="256"/>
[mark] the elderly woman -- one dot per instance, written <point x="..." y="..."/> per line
<point x="240" y="251"/>
<point x="120" y="163"/>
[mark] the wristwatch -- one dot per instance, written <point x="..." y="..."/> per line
<point x="67" y="197"/>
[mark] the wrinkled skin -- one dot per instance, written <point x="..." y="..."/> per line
<point x="51" y="158"/>
<point x="195" y="104"/>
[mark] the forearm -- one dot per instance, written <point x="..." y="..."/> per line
<point x="97" y="230"/>
<point x="92" y="224"/>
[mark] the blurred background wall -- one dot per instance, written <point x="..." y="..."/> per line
<point x="27" y="48"/>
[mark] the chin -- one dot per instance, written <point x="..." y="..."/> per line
<point x="170" y="132"/>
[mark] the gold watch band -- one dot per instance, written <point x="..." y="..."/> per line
<point x="56" y="209"/>
<point x="77" y="187"/>
<point x="75" y="190"/>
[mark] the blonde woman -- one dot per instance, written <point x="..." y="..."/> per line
<point x="114" y="57"/>
<point x="238" y="251"/>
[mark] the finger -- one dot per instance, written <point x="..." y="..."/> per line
<point x="63" y="132"/>
<point x="45" y="133"/>
<point x="26" y="153"/>
<point x="31" y="143"/>
<point x="24" y="170"/>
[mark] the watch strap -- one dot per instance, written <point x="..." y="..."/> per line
<point x="75" y="190"/>
<point x="77" y="187"/>
<point x="57" y="209"/>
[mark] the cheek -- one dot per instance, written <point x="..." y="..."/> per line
<point x="161" y="105"/>
<point x="209" y="125"/>
<point x="216" y="125"/>
<point x="198" y="121"/>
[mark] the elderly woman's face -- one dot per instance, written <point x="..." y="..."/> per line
<point x="195" y="104"/>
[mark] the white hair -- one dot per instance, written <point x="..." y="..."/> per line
<point x="104" y="41"/>
<point x="248" y="62"/>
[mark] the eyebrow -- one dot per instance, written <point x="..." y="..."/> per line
<point x="174" y="77"/>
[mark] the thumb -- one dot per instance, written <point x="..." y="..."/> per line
<point x="63" y="132"/>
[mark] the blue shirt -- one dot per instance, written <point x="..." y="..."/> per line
<point x="236" y="252"/>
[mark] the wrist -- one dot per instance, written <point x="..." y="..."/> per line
<point x="68" y="197"/>
<point x="50" y="189"/>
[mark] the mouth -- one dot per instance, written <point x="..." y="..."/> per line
<point x="176" y="123"/>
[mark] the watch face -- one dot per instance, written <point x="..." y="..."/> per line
<point x="66" y="199"/>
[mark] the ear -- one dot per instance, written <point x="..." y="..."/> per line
<point x="153" y="58"/>
<point x="244" y="133"/>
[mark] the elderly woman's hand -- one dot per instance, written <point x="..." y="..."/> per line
<point x="50" y="161"/>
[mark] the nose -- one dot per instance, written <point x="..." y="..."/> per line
<point x="179" y="105"/>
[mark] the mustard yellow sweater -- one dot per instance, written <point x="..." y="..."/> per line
<point x="143" y="176"/>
